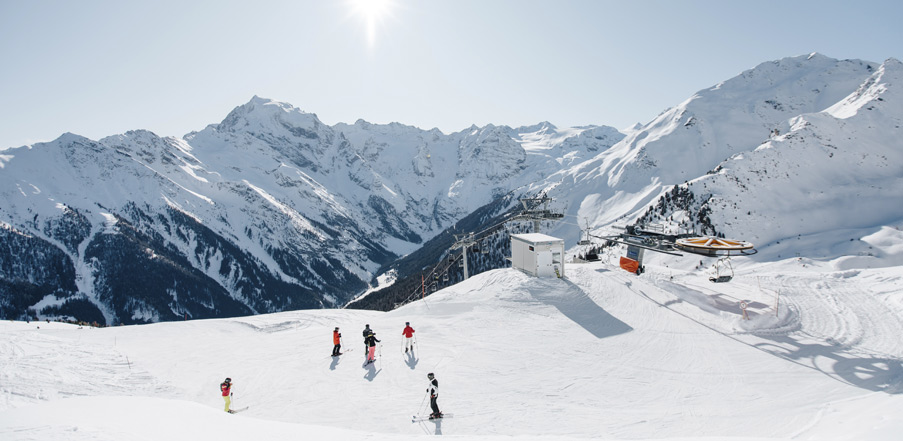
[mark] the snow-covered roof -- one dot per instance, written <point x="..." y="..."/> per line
<point x="536" y="238"/>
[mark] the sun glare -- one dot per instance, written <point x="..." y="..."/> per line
<point x="372" y="12"/>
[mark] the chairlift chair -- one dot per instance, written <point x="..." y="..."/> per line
<point x="719" y="266"/>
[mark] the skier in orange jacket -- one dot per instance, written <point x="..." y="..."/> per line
<point x="337" y="341"/>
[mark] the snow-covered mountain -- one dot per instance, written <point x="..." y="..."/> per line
<point x="266" y="211"/>
<point x="799" y="156"/>
<point x="271" y="209"/>
<point x="805" y="148"/>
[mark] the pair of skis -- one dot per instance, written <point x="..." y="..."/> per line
<point x="419" y="419"/>
<point x="239" y="410"/>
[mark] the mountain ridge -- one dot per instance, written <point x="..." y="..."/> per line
<point x="275" y="210"/>
<point x="268" y="201"/>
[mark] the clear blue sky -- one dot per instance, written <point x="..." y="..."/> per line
<point x="98" y="68"/>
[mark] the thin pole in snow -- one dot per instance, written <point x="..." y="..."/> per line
<point x="777" y="296"/>
<point x="777" y="301"/>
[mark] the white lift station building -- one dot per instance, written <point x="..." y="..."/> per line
<point x="537" y="254"/>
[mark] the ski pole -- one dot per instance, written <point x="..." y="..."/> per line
<point x="420" y="409"/>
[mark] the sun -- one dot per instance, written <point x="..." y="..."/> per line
<point x="372" y="12"/>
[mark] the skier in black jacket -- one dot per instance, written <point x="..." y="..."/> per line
<point x="433" y="390"/>
<point x="371" y="342"/>
<point x="367" y="332"/>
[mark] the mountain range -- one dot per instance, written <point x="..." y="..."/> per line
<point x="272" y="210"/>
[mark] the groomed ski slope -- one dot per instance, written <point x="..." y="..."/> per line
<point x="603" y="354"/>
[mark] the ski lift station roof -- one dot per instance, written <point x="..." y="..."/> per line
<point x="537" y="238"/>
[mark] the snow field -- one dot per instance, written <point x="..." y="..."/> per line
<point x="603" y="354"/>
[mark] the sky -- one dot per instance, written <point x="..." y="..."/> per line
<point x="99" y="68"/>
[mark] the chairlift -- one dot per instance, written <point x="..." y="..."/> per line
<point x="445" y="277"/>
<point x="585" y="239"/>
<point x="719" y="268"/>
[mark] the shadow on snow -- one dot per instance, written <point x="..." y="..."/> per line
<point x="574" y="304"/>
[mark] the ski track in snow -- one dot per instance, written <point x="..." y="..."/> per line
<point x="602" y="354"/>
<point x="844" y="333"/>
<point x="39" y="366"/>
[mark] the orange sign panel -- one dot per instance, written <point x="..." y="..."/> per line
<point x="630" y="264"/>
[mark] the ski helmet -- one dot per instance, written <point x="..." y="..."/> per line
<point x="336" y="328"/>
<point x="430" y="375"/>
<point x="228" y="380"/>
<point x="407" y="323"/>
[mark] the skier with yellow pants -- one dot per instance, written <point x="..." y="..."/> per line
<point x="226" y="388"/>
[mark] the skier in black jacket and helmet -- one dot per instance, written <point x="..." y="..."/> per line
<point x="367" y="332"/>
<point x="433" y="390"/>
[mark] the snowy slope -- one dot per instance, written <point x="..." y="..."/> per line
<point x="602" y="354"/>
<point x="830" y="184"/>
<point x="800" y="147"/>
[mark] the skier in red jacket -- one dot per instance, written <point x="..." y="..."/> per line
<point x="408" y="337"/>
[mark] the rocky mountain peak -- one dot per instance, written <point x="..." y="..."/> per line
<point x="261" y="114"/>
